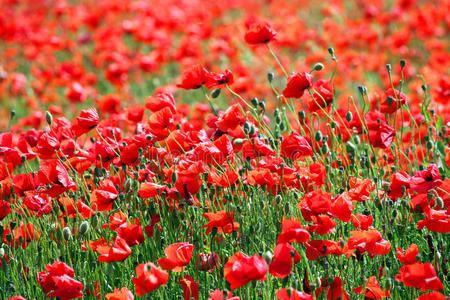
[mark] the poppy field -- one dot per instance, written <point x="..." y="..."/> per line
<point x="235" y="149"/>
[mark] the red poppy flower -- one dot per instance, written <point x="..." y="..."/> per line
<point x="322" y="95"/>
<point x="222" y="220"/>
<point x="159" y="101"/>
<point x="362" y="222"/>
<point x="58" y="280"/>
<point x="335" y="290"/>
<point x="178" y="256"/>
<point x="297" y="84"/>
<point x="119" y="252"/>
<point x="5" y="209"/>
<point x="219" y="295"/>
<point x="75" y="92"/>
<point x="295" y="147"/>
<point x="370" y="241"/>
<point x="54" y="174"/>
<point x="219" y="79"/>
<point x="148" y="278"/>
<point x="425" y="180"/>
<point x="190" y="288"/>
<point x="194" y="78"/>
<point x="381" y="135"/>
<point x="207" y="261"/>
<point x="421" y="276"/>
<point x="150" y="189"/>
<point x="436" y="220"/>
<point x="410" y="255"/>
<point x="284" y="258"/>
<point x="122" y="294"/>
<point x="432" y="296"/>
<point x="399" y="181"/>
<point x="318" y="248"/>
<point x="259" y="34"/>
<point x="282" y="294"/>
<point x="87" y="120"/>
<point x="390" y="104"/>
<point x="323" y="224"/>
<point x="292" y="231"/>
<point x="102" y="199"/>
<point x="241" y="269"/>
<point x="373" y="290"/>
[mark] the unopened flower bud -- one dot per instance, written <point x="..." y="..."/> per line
<point x="67" y="233"/>
<point x="215" y="93"/>
<point x="349" y="116"/>
<point x="48" y="118"/>
<point x="268" y="256"/>
<point x="270" y="76"/>
<point x="84" y="228"/>
<point x="402" y="63"/>
<point x="388" y="67"/>
<point x="318" y="67"/>
<point x="302" y="115"/>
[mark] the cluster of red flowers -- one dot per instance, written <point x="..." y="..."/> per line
<point x="104" y="165"/>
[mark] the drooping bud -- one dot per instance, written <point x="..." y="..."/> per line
<point x="349" y="116"/>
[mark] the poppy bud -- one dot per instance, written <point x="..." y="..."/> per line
<point x="351" y="148"/>
<point x="278" y="198"/>
<point x="254" y="101"/>
<point x="94" y="221"/>
<point x="268" y="256"/>
<point x="389" y="283"/>
<point x="362" y="90"/>
<point x="67" y="234"/>
<point x="215" y="93"/>
<point x="302" y="115"/>
<point x="174" y="177"/>
<point x="282" y="127"/>
<point x="389" y="100"/>
<point x="84" y="227"/>
<point x="424" y="87"/>
<point x="262" y="104"/>
<point x="331" y="51"/>
<point x="12" y="114"/>
<point x="270" y="76"/>
<point x="318" y="67"/>
<point x="388" y="68"/>
<point x="278" y="119"/>
<point x="49" y="118"/>
<point x="349" y="116"/>
<point x="440" y="202"/>
<point x="252" y="130"/>
<point x="402" y="63"/>
<point x="246" y="127"/>
<point x="318" y="136"/>
<point x="148" y="137"/>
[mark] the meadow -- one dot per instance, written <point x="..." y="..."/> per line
<point x="235" y="149"/>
